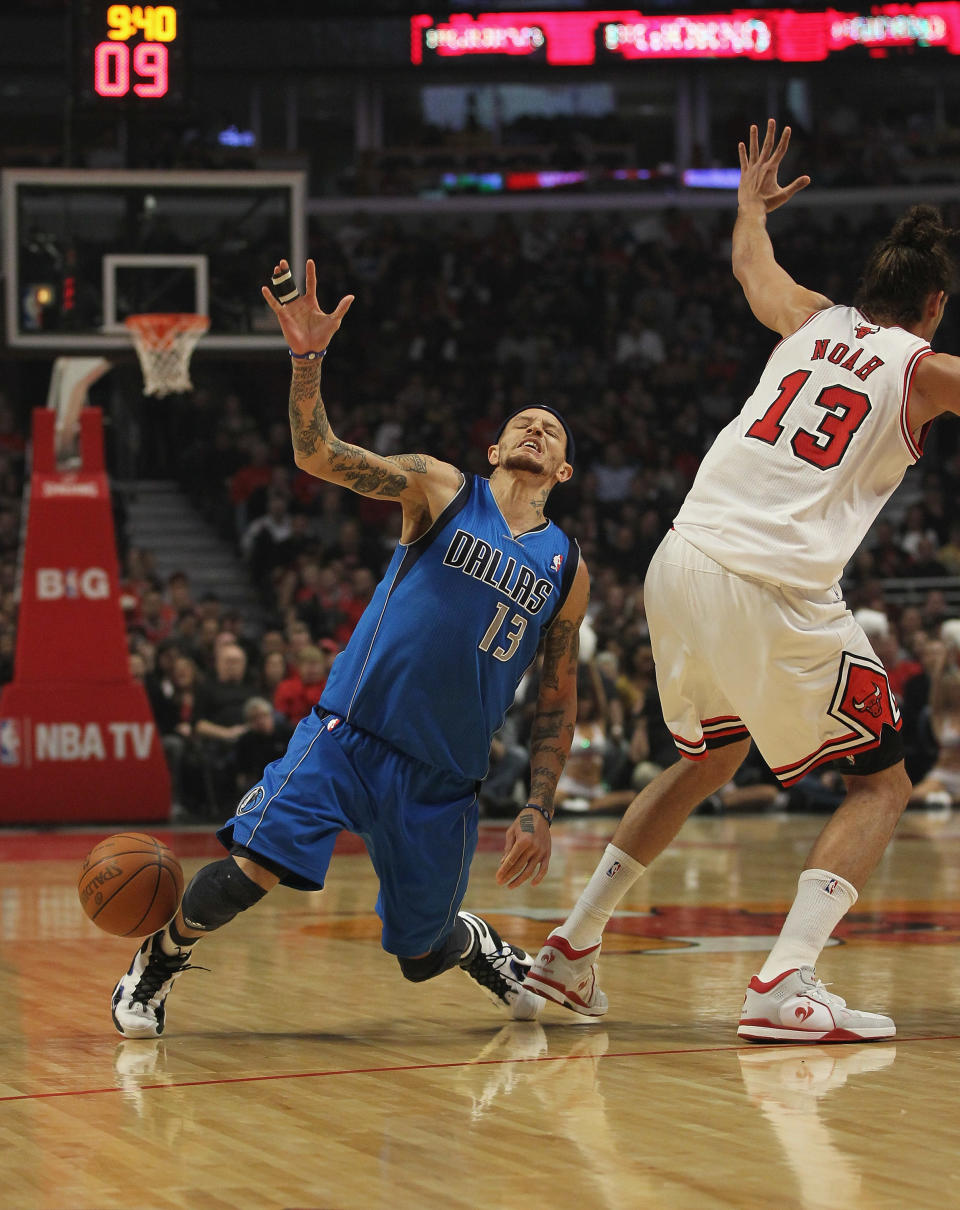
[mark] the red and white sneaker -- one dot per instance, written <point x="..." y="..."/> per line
<point x="567" y="976"/>
<point x="796" y="1007"/>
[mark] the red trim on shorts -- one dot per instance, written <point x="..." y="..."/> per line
<point x="714" y="734"/>
<point x="832" y="749"/>
<point x="722" y="732"/>
<point x="717" y="732"/>
<point x="697" y="751"/>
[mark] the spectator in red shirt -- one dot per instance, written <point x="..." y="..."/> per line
<point x="362" y="584"/>
<point x="257" y="472"/>
<point x="295" y="697"/>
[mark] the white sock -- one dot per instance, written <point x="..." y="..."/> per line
<point x="823" y="899"/>
<point x="613" y="877"/>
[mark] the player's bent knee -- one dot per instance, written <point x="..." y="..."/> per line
<point x="216" y="894"/>
<point x="428" y="966"/>
<point x="719" y="767"/>
<point x="891" y="784"/>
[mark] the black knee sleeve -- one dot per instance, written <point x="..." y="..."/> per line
<point x="216" y="894"/>
<point x="418" y="970"/>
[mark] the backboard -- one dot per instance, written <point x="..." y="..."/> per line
<point x="85" y="249"/>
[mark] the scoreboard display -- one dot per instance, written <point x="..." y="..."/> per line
<point x="130" y="53"/>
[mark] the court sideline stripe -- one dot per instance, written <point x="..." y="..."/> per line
<point x="372" y="1071"/>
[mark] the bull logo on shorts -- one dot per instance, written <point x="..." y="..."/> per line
<point x="872" y="703"/>
<point x="863" y="697"/>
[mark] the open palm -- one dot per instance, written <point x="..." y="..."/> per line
<point x="759" y="167"/>
<point x="305" y="327"/>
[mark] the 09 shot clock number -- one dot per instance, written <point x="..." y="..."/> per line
<point x="131" y="52"/>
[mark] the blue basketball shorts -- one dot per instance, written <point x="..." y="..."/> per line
<point x="419" y="825"/>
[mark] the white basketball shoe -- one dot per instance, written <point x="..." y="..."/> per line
<point x="568" y="976"/>
<point x="796" y="1007"/>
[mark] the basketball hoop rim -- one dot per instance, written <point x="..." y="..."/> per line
<point x="158" y="326"/>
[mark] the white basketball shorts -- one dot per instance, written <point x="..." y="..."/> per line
<point x="737" y="657"/>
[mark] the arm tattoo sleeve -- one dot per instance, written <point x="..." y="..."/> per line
<point x="563" y="639"/>
<point x="309" y="426"/>
<point x="417" y="463"/>
<point x="310" y="431"/>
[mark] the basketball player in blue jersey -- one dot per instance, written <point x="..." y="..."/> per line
<point x="400" y="739"/>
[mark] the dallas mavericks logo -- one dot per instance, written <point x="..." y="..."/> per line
<point x="251" y="800"/>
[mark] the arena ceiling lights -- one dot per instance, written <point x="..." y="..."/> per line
<point x="566" y="39"/>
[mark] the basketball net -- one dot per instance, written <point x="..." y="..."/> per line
<point x="164" y="344"/>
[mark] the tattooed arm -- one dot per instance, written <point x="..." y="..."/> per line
<point x="527" y="844"/>
<point x="423" y="485"/>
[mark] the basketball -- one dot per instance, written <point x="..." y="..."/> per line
<point x="130" y="884"/>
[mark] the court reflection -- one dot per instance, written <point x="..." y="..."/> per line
<point x="792" y="1087"/>
<point x="529" y="1076"/>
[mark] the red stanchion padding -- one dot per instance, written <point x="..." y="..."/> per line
<point x="77" y="738"/>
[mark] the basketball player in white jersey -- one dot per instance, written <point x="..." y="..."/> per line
<point x="750" y="633"/>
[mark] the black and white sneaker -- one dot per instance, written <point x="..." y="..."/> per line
<point x="138" y="999"/>
<point x="500" y="969"/>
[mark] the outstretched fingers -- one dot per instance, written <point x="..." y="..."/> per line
<point x="794" y="187"/>
<point x="768" y="138"/>
<point x="343" y="306"/>
<point x="269" y="299"/>
<point x="781" y="148"/>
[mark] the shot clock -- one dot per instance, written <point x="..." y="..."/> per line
<point x="130" y="53"/>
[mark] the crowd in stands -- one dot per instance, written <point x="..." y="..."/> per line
<point x="632" y="326"/>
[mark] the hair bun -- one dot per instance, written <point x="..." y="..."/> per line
<point x="920" y="228"/>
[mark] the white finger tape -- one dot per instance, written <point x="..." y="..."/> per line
<point x="284" y="287"/>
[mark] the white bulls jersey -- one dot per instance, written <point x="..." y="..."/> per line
<point x="790" y="487"/>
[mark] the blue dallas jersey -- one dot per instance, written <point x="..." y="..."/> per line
<point x="436" y="658"/>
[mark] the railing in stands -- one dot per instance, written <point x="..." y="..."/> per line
<point x="914" y="590"/>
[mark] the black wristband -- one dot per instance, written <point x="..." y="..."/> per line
<point x="547" y="815"/>
<point x="307" y="356"/>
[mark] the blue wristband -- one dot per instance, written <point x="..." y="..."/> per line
<point x="547" y="815"/>
<point x="306" y="356"/>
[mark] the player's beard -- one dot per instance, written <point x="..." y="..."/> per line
<point x="522" y="460"/>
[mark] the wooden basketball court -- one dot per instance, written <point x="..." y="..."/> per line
<point x="301" y="1071"/>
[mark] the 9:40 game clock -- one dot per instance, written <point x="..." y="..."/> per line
<point x="130" y="52"/>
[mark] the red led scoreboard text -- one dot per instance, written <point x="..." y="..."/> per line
<point x="134" y="50"/>
<point x="585" y="38"/>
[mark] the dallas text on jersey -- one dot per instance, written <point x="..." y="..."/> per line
<point x="479" y="559"/>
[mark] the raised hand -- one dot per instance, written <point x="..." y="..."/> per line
<point x="759" y="167"/>
<point x="305" y="327"/>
